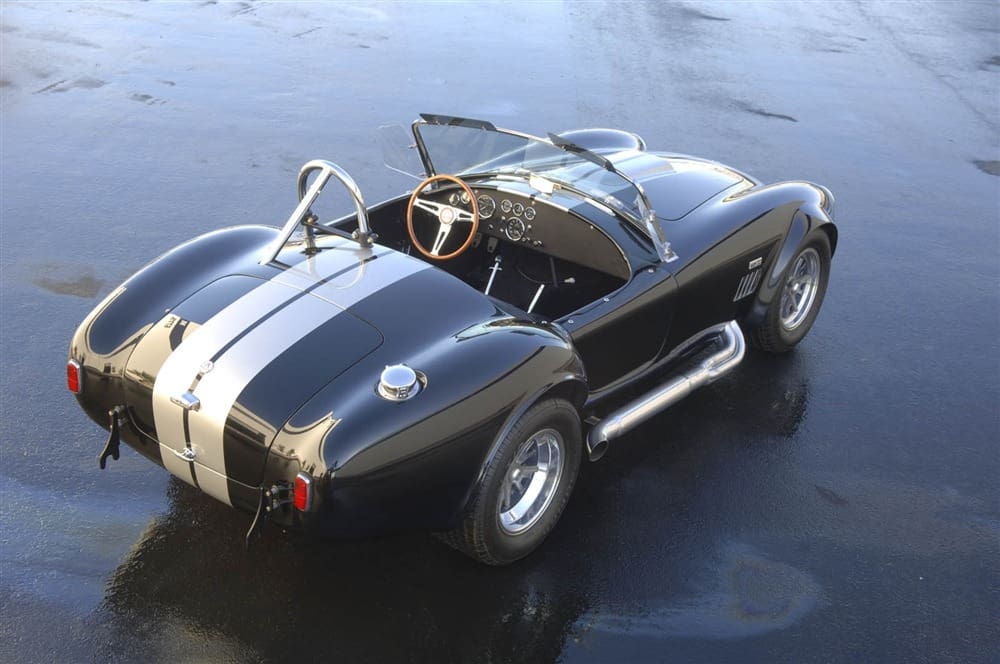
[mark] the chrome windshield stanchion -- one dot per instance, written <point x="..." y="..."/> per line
<point x="308" y="196"/>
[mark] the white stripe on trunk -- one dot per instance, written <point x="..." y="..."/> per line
<point x="236" y="368"/>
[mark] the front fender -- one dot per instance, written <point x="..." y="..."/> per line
<point x="814" y="214"/>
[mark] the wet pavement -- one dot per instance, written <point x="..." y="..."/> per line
<point x="837" y="504"/>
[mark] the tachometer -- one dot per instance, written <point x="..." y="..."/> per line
<point x="487" y="206"/>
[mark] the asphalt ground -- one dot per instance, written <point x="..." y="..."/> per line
<point x="836" y="504"/>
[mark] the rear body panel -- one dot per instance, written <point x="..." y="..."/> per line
<point x="264" y="356"/>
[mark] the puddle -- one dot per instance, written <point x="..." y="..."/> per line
<point x="751" y="595"/>
<point x="86" y="286"/>
<point x="990" y="166"/>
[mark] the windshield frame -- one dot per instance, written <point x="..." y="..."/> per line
<point x="643" y="218"/>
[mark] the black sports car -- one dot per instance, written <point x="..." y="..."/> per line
<point x="444" y="360"/>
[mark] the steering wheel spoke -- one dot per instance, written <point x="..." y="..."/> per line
<point x="443" y="231"/>
<point x="445" y="215"/>
<point x="428" y="206"/>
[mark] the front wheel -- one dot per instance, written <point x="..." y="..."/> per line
<point x="793" y="311"/>
<point x="525" y="487"/>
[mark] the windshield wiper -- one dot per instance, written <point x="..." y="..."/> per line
<point x="560" y="142"/>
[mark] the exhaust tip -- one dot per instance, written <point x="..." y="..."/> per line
<point x="596" y="449"/>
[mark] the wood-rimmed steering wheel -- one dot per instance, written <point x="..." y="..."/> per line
<point x="446" y="215"/>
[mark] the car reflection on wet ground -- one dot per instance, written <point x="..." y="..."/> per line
<point x="839" y="503"/>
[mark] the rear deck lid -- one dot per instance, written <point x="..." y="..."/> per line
<point x="249" y="352"/>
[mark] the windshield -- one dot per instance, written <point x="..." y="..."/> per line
<point x="467" y="149"/>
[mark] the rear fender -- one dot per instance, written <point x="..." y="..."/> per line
<point x="383" y="466"/>
<point x="568" y="385"/>
<point x="104" y="341"/>
<point x="168" y="280"/>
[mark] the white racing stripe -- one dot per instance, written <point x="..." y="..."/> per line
<point x="182" y="366"/>
<point x="235" y="369"/>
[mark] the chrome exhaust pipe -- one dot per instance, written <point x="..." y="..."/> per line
<point x="635" y="413"/>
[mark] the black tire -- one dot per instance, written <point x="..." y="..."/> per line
<point x="778" y="334"/>
<point x="484" y="534"/>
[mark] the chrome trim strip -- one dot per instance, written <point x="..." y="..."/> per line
<point x="635" y="413"/>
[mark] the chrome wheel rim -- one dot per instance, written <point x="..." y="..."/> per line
<point x="801" y="287"/>
<point x="530" y="482"/>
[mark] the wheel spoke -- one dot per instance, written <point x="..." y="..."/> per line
<point x="801" y="287"/>
<point x="463" y="215"/>
<point x="505" y="497"/>
<point x="531" y="481"/>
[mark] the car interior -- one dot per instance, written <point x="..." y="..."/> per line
<point x="537" y="258"/>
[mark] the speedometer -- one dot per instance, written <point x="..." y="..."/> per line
<point x="514" y="229"/>
<point x="487" y="206"/>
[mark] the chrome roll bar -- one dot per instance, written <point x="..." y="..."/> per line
<point x="308" y="196"/>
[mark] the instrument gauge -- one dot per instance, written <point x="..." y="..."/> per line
<point x="514" y="229"/>
<point x="518" y="209"/>
<point x="529" y="213"/>
<point x="505" y="206"/>
<point x="464" y="197"/>
<point x="453" y="199"/>
<point x="487" y="206"/>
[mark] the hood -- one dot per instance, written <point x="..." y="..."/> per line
<point x="249" y="351"/>
<point x="677" y="184"/>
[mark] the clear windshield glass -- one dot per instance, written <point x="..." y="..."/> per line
<point x="464" y="150"/>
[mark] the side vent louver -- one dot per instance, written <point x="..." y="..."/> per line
<point x="748" y="284"/>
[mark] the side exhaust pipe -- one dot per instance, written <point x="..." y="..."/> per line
<point x="635" y="413"/>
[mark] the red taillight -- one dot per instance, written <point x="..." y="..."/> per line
<point x="303" y="492"/>
<point x="74" y="376"/>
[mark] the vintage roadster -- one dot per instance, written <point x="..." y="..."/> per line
<point x="444" y="360"/>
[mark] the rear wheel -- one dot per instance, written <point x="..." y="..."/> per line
<point x="525" y="487"/>
<point x="793" y="311"/>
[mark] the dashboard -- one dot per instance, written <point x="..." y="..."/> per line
<point x="543" y="225"/>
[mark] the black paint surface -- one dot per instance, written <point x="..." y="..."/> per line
<point x="839" y="504"/>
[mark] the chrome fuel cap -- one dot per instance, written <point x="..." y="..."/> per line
<point x="398" y="382"/>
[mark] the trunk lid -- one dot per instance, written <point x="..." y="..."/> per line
<point x="249" y="351"/>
